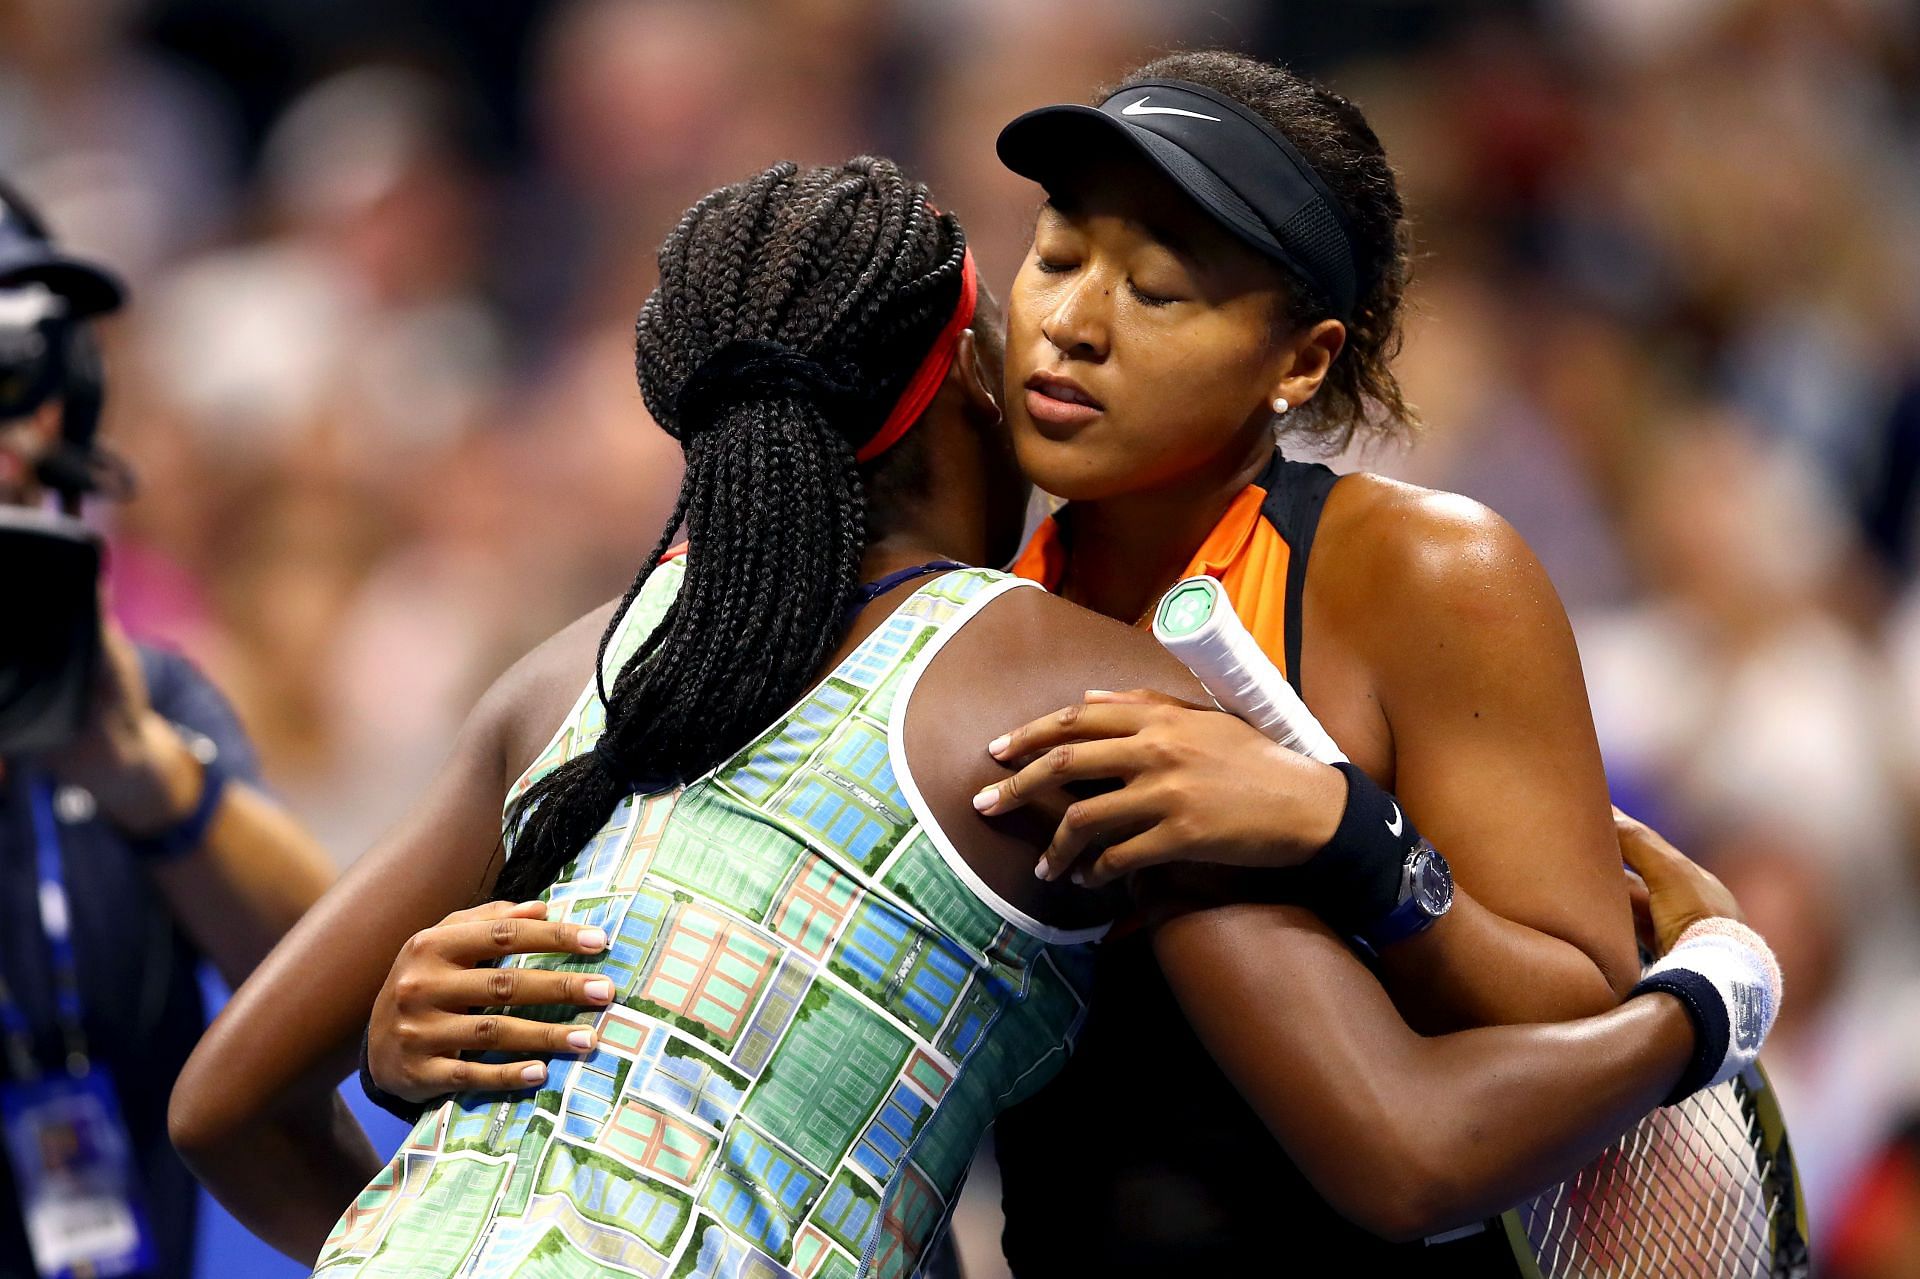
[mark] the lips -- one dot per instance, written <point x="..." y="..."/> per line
<point x="1064" y="389"/>
<point x="1055" y="401"/>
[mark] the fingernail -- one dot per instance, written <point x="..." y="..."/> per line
<point x="534" y="1074"/>
<point x="999" y="744"/>
<point x="1099" y="692"/>
<point x="593" y="939"/>
<point x="579" y="1040"/>
<point x="599" y="989"/>
<point x="1040" y="869"/>
<point x="987" y="798"/>
<point x="1080" y="878"/>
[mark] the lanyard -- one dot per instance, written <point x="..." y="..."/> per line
<point x="56" y="924"/>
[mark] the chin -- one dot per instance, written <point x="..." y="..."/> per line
<point x="1071" y="470"/>
<point x="1074" y="479"/>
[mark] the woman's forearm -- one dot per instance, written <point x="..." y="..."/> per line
<point x="1403" y="1134"/>
<point x="1515" y="1109"/>
<point x="256" y="1111"/>
<point x="320" y="1160"/>
<point x="1476" y="968"/>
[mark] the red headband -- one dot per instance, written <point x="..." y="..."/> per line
<point x="932" y="371"/>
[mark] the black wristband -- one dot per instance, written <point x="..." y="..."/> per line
<point x="187" y="834"/>
<point x="398" y="1107"/>
<point x="1355" y="880"/>
<point x="1708" y="1013"/>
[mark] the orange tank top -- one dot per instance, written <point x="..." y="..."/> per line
<point x="1258" y="552"/>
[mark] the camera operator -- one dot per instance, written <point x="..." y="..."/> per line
<point x="134" y="838"/>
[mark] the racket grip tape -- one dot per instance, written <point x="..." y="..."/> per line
<point x="1356" y="880"/>
<point x="1195" y="621"/>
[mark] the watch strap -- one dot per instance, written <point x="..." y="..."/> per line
<point x="187" y="834"/>
<point x="1405" y="919"/>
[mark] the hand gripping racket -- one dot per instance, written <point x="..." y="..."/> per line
<point x="1702" y="1190"/>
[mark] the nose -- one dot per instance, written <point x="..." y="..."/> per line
<point x="1077" y="326"/>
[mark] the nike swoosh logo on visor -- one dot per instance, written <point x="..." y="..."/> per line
<point x="1141" y="108"/>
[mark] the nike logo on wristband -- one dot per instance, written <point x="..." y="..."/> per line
<point x="1141" y="108"/>
<point x="1397" y="823"/>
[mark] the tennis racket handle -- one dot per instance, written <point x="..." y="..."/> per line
<point x="1195" y="621"/>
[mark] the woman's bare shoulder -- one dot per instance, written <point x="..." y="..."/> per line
<point x="1025" y="654"/>
<point x="1427" y="550"/>
<point x="523" y="708"/>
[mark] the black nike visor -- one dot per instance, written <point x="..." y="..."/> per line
<point x="1238" y="168"/>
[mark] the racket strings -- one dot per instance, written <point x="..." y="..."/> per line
<point x="1691" y="1191"/>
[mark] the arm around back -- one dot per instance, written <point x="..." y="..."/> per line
<point x="256" y="1113"/>
<point x="1406" y="1135"/>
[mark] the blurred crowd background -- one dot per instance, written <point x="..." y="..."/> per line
<point x="377" y="379"/>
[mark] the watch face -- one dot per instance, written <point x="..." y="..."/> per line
<point x="1433" y="883"/>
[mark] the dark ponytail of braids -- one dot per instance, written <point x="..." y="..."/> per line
<point x="792" y="309"/>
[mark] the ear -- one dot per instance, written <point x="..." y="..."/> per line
<point x="979" y="388"/>
<point x="1305" y="357"/>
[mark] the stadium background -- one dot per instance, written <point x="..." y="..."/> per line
<point x="377" y="378"/>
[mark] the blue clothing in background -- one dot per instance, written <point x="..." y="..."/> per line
<point x="138" y="973"/>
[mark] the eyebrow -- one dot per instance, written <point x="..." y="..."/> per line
<point x="1179" y="245"/>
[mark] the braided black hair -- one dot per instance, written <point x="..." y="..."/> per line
<point x="792" y="309"/>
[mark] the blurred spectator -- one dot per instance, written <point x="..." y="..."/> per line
<point x="350" y="333"/>
<point x="131" y="155"/>
<point x="1879" y="1238"/>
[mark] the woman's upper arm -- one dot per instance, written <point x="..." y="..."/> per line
<point x="294" y="1026"/>
<point x="1494" y="751"/>
<point x="1304" y="1031"/>
<point x="1405" y="1135"/>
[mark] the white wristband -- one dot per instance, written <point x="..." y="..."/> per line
<point x="1727" y="977"/>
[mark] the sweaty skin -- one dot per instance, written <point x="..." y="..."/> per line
<point x="1435" y="650"/>
<point x="1324" y="1057"/>
<point x="256" y="1113"/>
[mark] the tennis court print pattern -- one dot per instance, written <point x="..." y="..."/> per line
<point x="815" y="1020"/>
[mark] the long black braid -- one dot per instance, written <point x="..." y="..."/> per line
<point x="791" y="311"/>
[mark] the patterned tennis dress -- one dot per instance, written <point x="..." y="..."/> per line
<point x="820" y="1009"/>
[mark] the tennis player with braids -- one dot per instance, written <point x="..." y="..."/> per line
<point x="745" y="793"/>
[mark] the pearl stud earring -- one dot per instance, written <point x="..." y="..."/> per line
<point x="1280" y="405"/>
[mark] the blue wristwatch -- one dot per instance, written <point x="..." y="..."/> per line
<point x="1426" y="893"/>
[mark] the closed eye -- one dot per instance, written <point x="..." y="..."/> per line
<point x="1149" y="299"/>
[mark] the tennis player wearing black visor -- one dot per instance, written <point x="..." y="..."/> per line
<point x="1233" y="164"/>
<point x="1219" y="268"/>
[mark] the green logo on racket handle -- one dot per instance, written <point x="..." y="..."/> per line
<point x="1186" y="608"/>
